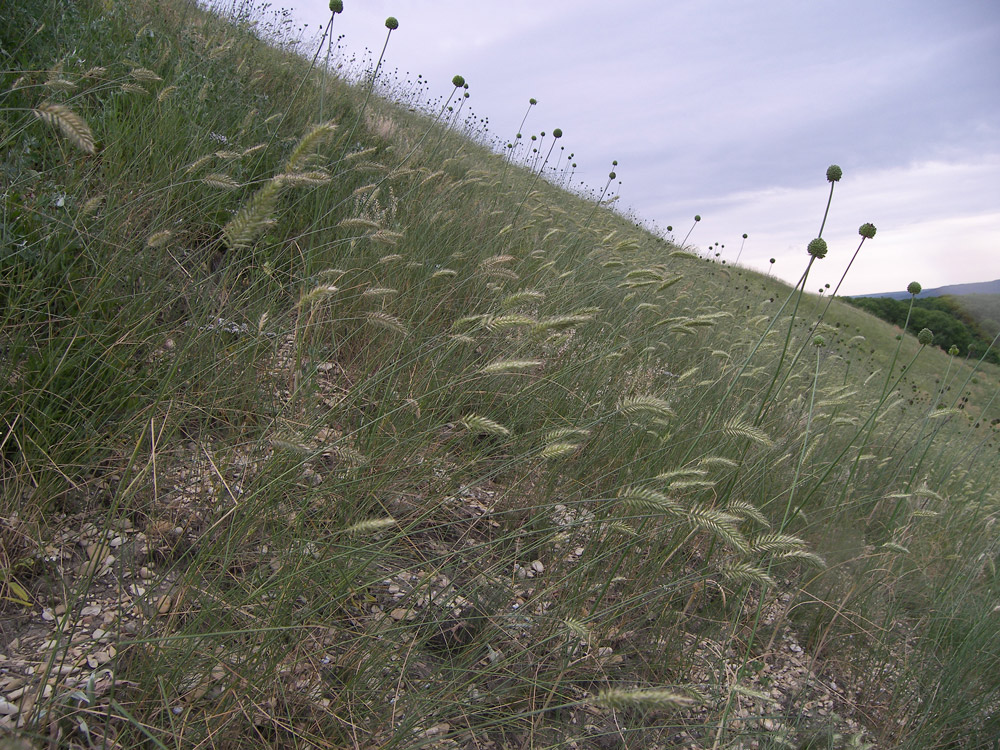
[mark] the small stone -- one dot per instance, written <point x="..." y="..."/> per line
<point x="537" y="566"/>
<point x="163" y="605"/>
<point x="8" y="709"/>
<point x="91" y="610"/>
<point x="400" y="613"/>
<point x="48" y="615"/>
<point x="98" y="634"/>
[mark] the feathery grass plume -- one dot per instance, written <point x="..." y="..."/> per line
<point x="165" y="93"/>
<point x="388" y="322"/>
<point x="481" y="425"/>
<point x="746" y="509"/>
<point x="558" y="450"/>
<point x="691" y="484"/>
<point x="646" y="500"/>
<point x="561" y="433"/>
<point x="775" y="542"/>
<point x="290" y="446"/>
<point x="894" y="547"/>
<point x="366" y="527"/>
<point x="358" y="222"/>
<point x="804" y="555"/>
<point x="91" y="205"/>
<point x="577" y="628"/>
<point x="642" y="699"/>
<point x="678" y="474"/>
<point x="501" y="366"/>
<point x="518" y="298"/>
<point x="60" y="84"/>
<point x="134" y="88"/>
<point x="159" y="239"/>
<point x="559" y="323"/>
<point x="715" y="521"/>
<point x="254" y="217"/>
<point x="299" y="179"/>
<point x="69" y="123"/>
<point x="379" y="291"/>
<point x="738" y="428"/>
<point x="391" y="258"/>
<point x="622" y="528"/>
<point x="307" y="146"/>
<point x="315" y="294"/>
<point x="444" y="273"/>
<point x="511" y="320"/>
<point x="144" y="74"/>
<point x="198" y="163"/>
<point x="744" y="572"/>
<point x="220" y="181"/>
<point x="645" y="405"/>
<point x="385" y="237"/>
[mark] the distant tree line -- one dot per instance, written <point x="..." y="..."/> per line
<point x="952" y="325"/>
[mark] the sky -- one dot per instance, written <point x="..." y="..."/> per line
<point x="733" y="110"/>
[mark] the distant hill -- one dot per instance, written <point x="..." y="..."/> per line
<point x="969" y="321"/>
<point x="977" y="287"/>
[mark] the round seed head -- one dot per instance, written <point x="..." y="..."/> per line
<point x="611" y="175"/>
<point x="834" y="173"/>
<point x="772" y="261"/>
<point x="557" y="133"/>
<point x="532" y="102"/>
<point x="913" y="288"/>
<point x="697" y="217"/>
<point x="953" y="351"/>
<point x="819" y="341"/>
<point x="391" y="23"/>
<point x="925" y="337"/>
<point x="745" y="235"/>
<point x="336" y="6"/>
<point x="867" y="231"/>
<point x="458" y="81"/>
<point x="817" y="248"/>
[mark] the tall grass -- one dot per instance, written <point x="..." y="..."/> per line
<point x="424" y="449"/>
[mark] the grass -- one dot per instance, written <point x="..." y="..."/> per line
<point x="365" y="435"/>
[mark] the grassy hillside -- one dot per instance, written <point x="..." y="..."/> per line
<point x="324" y="426"/>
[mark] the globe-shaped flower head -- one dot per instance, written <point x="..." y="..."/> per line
<point x="697" y="217"/>
<point x="557" y="133"/>
<point x="817" y="248"/>
<point x="336" y="6"/>
<point x="834" y="173"/>
<point x="611" y="175"/>
<point x="391" y="23"/>
<point x="925" y="337"/>
<point x="458" y="81"/>
<point x="913" y="288"/>
<point x="953" y="350"/>
<point x="532" y="102"/>
<point x="867" y="230"/>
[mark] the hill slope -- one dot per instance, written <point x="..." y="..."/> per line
<point x="328" y="427"/>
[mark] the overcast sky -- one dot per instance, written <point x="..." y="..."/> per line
<point x="734" y="109"/>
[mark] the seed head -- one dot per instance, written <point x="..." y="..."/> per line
<point x="557" y="133"/>
<point x="532" y="102"/>
<point x="834" y="173"/>
<point x="745" y="235"/>
<point x="697" y="217"/>
<point x="925" y="337"/>
<point x="391" y="23"/>
<point x="336" y="6"/>
<point x="817" y="248"/>
<point x="819" y="341"/>
<point x="867" y="231"/>
<point x="458" y="81"/>
<point x="772" y="260"/>
<point x="953" y="351"/>
<point x="913" y="288"/>
<point x="611" y="175"/>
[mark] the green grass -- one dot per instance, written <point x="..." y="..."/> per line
<point x="425" y="449"/>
